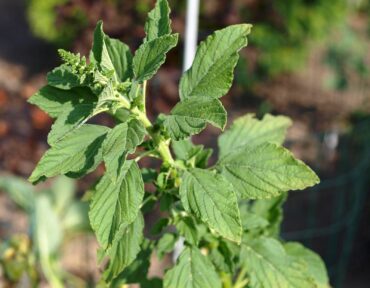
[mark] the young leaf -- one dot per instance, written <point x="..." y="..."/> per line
<point x="125" y="248"/>
<point x="265" y="171"/>
<point x="116" y="204"/>
<point x="100" y="50"/>
<point x="269" y="266"/>
<point x="54" y="101"/>
<point x="315" y="265"/>
<point x="78" y="153"/>
<point x="211" y="74"/>
<point x="187" y="151"/>
<point x="166" y="244"/>
<point x="191" y="116"/>
<point x="250" y="131"/>
<point x="187" y="228"/>
<point x="121" y="140"/>
<point x="121" y="58"/>
<point x="211" y="198"/>
<point x="151" y="55"/>
<point x="158" y="23"/>
<point x="272" y="211"/>
<point x="192" y="270"/>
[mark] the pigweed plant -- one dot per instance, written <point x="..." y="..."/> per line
<point x="228" y="214"/>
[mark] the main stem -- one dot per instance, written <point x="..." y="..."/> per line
<point x="163" y="146"/>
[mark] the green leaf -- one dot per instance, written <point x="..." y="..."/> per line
<point x="116" y="204"/>
<point x="188" y="229"/>
<point x="315" y="265"/>
<point x="211" y="74"/>
<point x="166" y="244"/>
<point x="125" y="248"/>
<point x="252" y="221"/>
<point x="187" y="151"/>
<point x="151" y="55"/>
<point x="70" y="120"/>
<point x="120" y="141"/>
<point x="272" y="211"/>
<point x="192" y="270"/>
<point x="212" y="199"/>
<point x="137" y="271"/>
<point x="265" y="171"/>
<point x="121" y="58"/>
<point x="190" y="117"/>
<point x="268" y="265"/>
<point x="54" y="101"/>
<point x="63" y="78"/>
<point x="250" y="131"/>
<point x="78" y="153"/>
<point x="100" y="50"/>
<point x="158" y="23"/>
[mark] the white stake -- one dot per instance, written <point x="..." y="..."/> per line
<point x="191" y="39"/>
<point x="191" y="32"/>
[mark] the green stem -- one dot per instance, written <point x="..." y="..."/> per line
<point x="163" y="146"/>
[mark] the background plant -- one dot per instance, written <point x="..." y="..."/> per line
<point x="229" y="214"/>
<point x="54" y="217"/>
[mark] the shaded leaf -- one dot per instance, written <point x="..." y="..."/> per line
<point x="158" y="23"/>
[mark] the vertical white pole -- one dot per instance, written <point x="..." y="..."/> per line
<point x="191" y="32"/>
<point x="191" y="39"/>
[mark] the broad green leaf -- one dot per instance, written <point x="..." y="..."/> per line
<point x="116" y="204"/>
<point x="192" y="270"/>
<point x="120" y="141"/>
<point x="151" y="55"/>
<point x="54" y="101"/>
<point x="78" y="153"/>
<point x="187" y="151"/>
<point x="63" y="78"/>
<point x="268" y="265"/>
<point x="166" y="244"/>
<point x="315" y="265"/>
<point x="247" y="130"/>
<point x="212" y="72"/>
<point x="212" y="199"/>
<point x="190" y="117"/>
<point x="100" y="50"/>
<point x="125" y="247"/>
<point x="70" y="120"/>
<point x="158" y="23"/>
<point x="265" y="171"/>
<point x="121" y="58"/>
